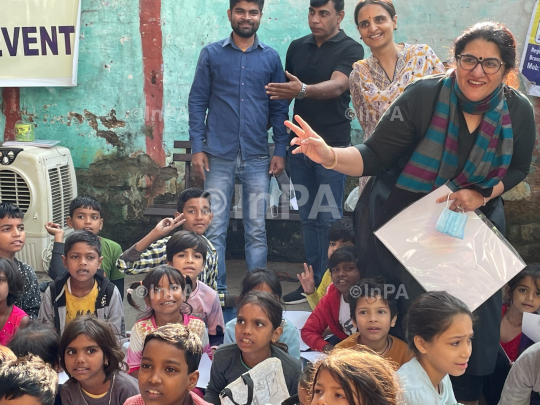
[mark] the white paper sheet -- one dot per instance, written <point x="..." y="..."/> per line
<point x="312" y="356"/>
<point x="303" y="345"/>
<point x="501" y="349"/>
<point x="472" y="269"/>
<point x="204" y="371"/>
<point x="298" y="319"/>
<point x="62" y="377"/>
<point x="531" y="326"/>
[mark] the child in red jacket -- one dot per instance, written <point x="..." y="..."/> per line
<point x="333" y="310"/>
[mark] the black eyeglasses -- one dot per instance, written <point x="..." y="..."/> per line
<point x="490" y="66"/>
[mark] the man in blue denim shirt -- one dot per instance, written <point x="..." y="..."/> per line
<point x="229" y="116"/>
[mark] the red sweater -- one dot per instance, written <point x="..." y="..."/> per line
<point x="325" y="315"/>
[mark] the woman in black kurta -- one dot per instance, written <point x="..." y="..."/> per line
<point x="388" y="151"/>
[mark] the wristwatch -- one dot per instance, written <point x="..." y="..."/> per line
<point x="302" y="93"/>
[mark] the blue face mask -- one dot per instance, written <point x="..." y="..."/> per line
<point x="452" y="223"/>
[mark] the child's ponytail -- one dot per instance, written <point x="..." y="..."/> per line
<point x="281" y="345"/>
<point x="132" y="289"/>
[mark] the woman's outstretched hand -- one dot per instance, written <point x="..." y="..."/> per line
<point x="309" y="143"/>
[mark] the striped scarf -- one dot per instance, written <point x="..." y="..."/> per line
<point x="435" y="159"/>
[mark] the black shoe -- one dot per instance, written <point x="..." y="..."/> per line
<point x="296" y="297"/>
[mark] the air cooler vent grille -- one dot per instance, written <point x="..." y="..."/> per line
<point x="61" y="193"/>
<point x="14" y="189"/>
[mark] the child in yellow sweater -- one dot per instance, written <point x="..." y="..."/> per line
<point x="374" y="312"/>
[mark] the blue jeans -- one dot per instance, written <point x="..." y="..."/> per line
<point x="254" y="182"/>
<point x="319" y="192"/>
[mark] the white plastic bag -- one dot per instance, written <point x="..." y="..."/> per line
<point x="263" y="384"/>
<point x="472" y="269"/>
<point x="531" y="326"/>
<point x="275" y="193"/>
<point x="352" y="199"/>
<point x="287" y="188"/>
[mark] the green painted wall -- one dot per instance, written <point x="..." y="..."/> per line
<point x="102" y="119"/>
<point x="110" y="62"/>
<point x="110" y="78"/>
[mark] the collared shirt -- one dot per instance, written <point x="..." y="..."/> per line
<point x="229" y="85"/>
<point x="313" y="64"/>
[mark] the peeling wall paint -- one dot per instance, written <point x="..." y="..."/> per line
<point x="105" y="61"/>
<point x="136" y="65"/>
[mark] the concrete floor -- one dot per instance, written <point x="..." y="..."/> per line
<point x="236" y="270"/>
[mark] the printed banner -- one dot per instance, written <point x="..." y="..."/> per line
<point x="530" y="61"/>
<point x="39" y="42"/>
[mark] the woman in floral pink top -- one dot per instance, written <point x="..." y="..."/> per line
<point x="376" y="82"/>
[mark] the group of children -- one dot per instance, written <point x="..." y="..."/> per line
<point x="80" y="322"/>
<point x="360" y="313"/>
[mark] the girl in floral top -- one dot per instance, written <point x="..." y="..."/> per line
<point x="376" y="82"/>
<point x="163" y="293"/>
